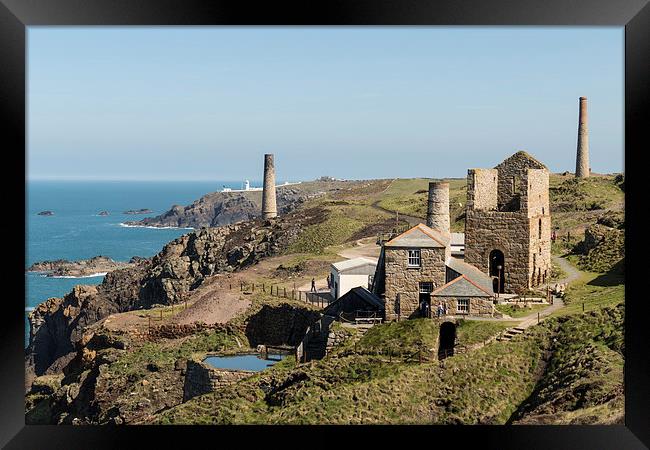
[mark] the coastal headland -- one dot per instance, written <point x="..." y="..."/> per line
<point x="131" y="350"/>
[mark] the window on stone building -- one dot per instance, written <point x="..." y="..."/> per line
<point x="463" y="305"/>
<point x="414" y="258"/>
<point x="539" y="236"/>
<point x="426" y="287"/>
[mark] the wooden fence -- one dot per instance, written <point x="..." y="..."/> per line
<point x="320" y="299"/>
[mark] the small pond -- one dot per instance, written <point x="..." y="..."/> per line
<point x="252" y="361"/>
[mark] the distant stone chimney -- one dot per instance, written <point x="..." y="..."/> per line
<point x="269" y="208"/>
<point x="438" y="206"/>
<point x="582" y="157"/>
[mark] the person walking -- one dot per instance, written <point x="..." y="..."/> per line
<point x="313" y="285"/>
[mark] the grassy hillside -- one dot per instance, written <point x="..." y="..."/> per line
<point x="485" y="386"/>
<point x="575" y="203"/>
<point x="583" y="382"/>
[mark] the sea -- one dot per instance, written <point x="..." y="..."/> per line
<point x="77" y="231"/>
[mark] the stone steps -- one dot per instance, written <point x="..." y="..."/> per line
<point x="510" y="333"/>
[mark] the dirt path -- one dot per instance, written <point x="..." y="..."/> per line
<point x="213" y="303"/>
<point x="412" y="220"/>
<point x="366" y="248"/>
<point x="572" y="273"/>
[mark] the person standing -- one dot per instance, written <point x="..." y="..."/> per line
<point x="329" y="282"/>
<point x="313" y="285"/>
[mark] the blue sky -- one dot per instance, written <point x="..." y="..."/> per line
<point x="184" y="103"/>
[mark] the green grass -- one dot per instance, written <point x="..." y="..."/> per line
<point x="516" y="312"/>
<point x="133" y="363"/>
<point x="403" y="337"/>
<point x="583" y="382"/>
<point x="471" y="332"/>
<point x="574" y="194"/>
<point x="595" y="291"/>
<point x="340" y="225"/>
<point x="484" y="386"/>
<point x="363" y="389"/>
<point x="409" y="196"/>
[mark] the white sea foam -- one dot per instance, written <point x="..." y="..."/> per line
<point x="29" y="308"/>
<point x="126" y="225"/>
<point x="93" y="275"/>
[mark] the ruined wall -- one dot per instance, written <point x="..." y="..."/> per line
<point x="511" y="179"/>
<point x="201" y="379"/>
<point x="527" y="254"/>
<point x="537" y="206"/>
<point x="404" y="280"/>
<point x="506" y="231"/>
<point x="284" y="324"/>
<point x="482" y="189"/>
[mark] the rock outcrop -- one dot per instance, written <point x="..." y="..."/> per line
<point x="181" y="266"/>
<point x="224" y="208"/>
<point x="138" y="211"/>
<point x="80" y="268"/>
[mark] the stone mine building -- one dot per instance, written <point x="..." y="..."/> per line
<point x="507" y="245"/>
<point x="508" y="223"/>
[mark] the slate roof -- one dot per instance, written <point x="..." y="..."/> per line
<point x="372" y="301"/>
<point x="461" y="287"/>
<point x="458" y="239"/>
<point x="420" y="236"/>
<point x="472" y="273"/>
<point x="353" y="263"/>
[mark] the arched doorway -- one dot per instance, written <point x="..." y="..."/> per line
<point x="497" y="271"/>
<point x="446" y="340"/>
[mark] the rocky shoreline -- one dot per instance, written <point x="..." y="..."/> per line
<point x="182" y="265"/>
<point x="97" y="265"/>
<point x="225" y="208"/>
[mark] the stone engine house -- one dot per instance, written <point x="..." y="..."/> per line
<point x="508" y="223"/>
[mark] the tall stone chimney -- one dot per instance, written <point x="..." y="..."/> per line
<point x="269" y="208"/>
<point x="582" y="158"/>
<point x="438" y="206"/>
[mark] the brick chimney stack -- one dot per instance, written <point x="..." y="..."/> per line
<point x="582" y="157"/>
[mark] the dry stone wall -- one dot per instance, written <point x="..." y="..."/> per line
<point x="201" y="379"/>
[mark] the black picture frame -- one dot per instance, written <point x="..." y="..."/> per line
<point x="16" y="15"/>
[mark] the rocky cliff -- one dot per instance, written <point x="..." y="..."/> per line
<point x="181" y="266"/>
<point x="224" y="208"/>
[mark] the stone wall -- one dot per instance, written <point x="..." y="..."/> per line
<point x="515" y="231"/>
<point x="404" y="281"/>
<point x="176" y="330"/>
<point x="511" y="177"/>
<point x="285" y="324"/>
<point x="505" y="231"/>
<point x="482" y="189"/>
<point x="201" y="379"/>
<point x="478" y="306"/>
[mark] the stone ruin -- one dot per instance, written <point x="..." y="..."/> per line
<point x="508" y="223"/>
